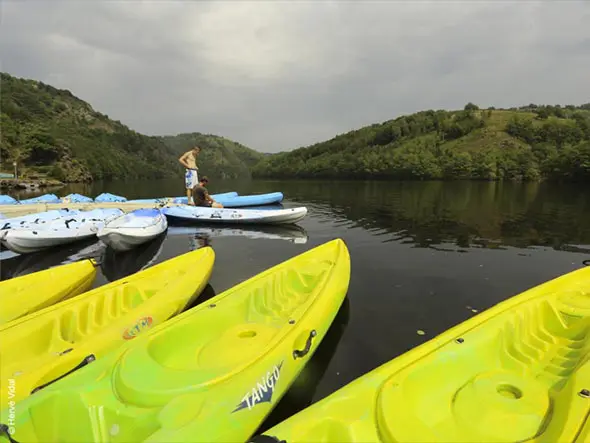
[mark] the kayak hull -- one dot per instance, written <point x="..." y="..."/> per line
<point x="250" y="200"/>
<point x="45" y="198"/>
<point x="8" y="200"/>
<point x="211" y="374"/>
<point x="76" y="198"/>
<point x="33" y="237"/>
<point x="20" y="296"/>
<point x="27" y="242"/>
<point x="133" y="229"/>
<point x="237" y="216"/>
<point x="90" y="325"/>
<point x="23" y="221"/>
<point x="516" y="372"/>
<point x="233" y="200"/>
<point x="180" y="200"/>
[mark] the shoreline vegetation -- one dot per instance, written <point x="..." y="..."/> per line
<point x="530" y="143"/>
<point x="51" y="134"/>
<point x="56" y="138"/>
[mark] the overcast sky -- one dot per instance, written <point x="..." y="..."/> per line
<point x="280" y="75"/>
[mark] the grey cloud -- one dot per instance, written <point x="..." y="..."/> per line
<point x="276" y="76"/>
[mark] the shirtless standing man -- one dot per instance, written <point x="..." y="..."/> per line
<point x="191" y="179"/>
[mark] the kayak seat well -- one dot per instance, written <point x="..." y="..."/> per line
<point x="218" y="341"/>
<point x="146" y="212"/>
<point x="77" y="324"/>
<point x="514" y="379"/>
<point x="53" y="426"/>
<point x="58" y="333"/>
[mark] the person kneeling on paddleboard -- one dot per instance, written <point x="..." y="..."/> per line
<point x="201" y="196"/>
<point x="191" y="178"/>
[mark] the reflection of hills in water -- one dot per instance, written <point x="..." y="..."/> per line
<point x="466" y="213"/>
<point x="116" y="265"/>
<point x="292" y="233"/>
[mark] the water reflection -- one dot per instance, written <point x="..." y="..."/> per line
<point x="116" y="265"/>
<point x="301" y="393"/>
<point x="201" y="236"/>
<point x="403" y="279"/>
<point x="463" y="214"/>
<point x="18" y="265"/>
<point x="207" y="294"/>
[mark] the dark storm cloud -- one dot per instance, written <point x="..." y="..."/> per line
<point x="279" y="75"/>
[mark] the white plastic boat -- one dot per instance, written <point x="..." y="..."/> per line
<point x="25" y="220"/>
<point x="133" y="229"/>
<point x="225" y="215"/>
<point x="51" y="233"/>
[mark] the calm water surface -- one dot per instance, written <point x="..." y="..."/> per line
<point x="425" y="256"/>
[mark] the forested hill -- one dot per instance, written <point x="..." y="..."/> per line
<point x="51" y="132"/>
<point x="529" y="143"/>
<point x="219" y="157"/>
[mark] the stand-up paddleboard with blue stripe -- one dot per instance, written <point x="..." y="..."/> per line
<point x="202" y="214"/>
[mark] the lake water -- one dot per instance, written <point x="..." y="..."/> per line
<point x="425" y="256"/>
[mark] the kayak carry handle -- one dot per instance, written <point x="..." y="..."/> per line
<point x="586" y="262"/>
<point x="266" y="439"/>
<point x="4" y="429"/>
<point x="304" y="351"/>
<point x="88" y="359"/>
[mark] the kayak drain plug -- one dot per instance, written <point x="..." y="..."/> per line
<point x="584" y="393"/>
<point x="459" y="340"/>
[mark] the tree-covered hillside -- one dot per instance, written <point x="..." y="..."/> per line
<point x="529" y="143"/>
<point x="50" y="131"/>
<point x="219" y="157"/>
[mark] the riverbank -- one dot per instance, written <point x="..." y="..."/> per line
<point x="29" y="184"/>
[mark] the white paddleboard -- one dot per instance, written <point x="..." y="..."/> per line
<point x="226" y="215"/>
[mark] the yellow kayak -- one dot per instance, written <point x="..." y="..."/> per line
<point x="211" y="374"/>
<point x="46" y="345"/>
<point x="23" y="295"/>
<point x="518" y="372"/>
